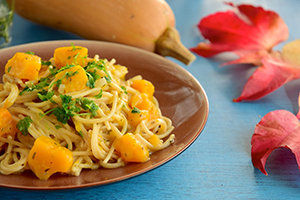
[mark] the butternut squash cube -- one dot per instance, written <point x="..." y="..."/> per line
<point x="135" y="118"/>
<point x="148" y="111"/>
<point x="141" y="101"/>
<point x="72" y="55"/>
<point x="74" y="79"/>
<point x="7" y="124"/>
<point x="47" y="157"/>
<point x="131" y="149"/>
<point x="155" y="141"/>
<point x="24" y="66"/>
<point x="143" y="86"/>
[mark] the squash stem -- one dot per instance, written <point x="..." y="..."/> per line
<point x="169" y="44"/>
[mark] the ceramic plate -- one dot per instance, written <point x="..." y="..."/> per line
<point x="180" y="95"/>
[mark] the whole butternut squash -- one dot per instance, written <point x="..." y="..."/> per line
<point x="146" y="24"/>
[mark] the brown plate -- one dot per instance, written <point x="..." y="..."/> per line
<point x="180" y="96"/>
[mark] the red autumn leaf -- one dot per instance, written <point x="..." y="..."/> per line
<point x="298" y="114"/>
<point x="276" y="129"/>
<point x="248" y="57"/>
<point x="245" y="29"/>
<point x="273" y="74"/>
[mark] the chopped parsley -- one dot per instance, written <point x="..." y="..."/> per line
<point x="64" y="112"/>
<point x="46" y="63"/>
<point x="98" y="96"/>
<point x="92" y="77"/>
<point x="24" y="124"/>
<point x="124" y="89"/>
<point x="66" y="75"/>
<point x="135" y="110"/>
<point x="90" y="105"/>
<point x="80" y="133"/>
<point x="97" y="65"/>
<point x="52" y="70"/>
<point x="57" y="127"/>
<point x="71" y="107"/>
<point x="74" y="47"/>
<point x="61" y="114"/>
<point x="46" y="96"/>
<point x="43" y="82"/>
<point x="55" y="71"/>
<point x="30" y="52"/>
<point x="76" y="56"/>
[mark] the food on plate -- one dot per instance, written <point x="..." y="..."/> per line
<point x="146" y="24"/>
<point x="74" y="112"/>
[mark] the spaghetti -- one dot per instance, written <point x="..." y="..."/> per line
<point x="78" y="110"/>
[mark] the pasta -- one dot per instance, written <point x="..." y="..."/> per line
<point x="78" y="110"/>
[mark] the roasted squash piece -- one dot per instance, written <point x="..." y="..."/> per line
<point x="72" y="55"/>
<point x="146" y="110"/>
<point x="155" y="141"/>
<point x="131" y="149"/>
<point x="143" y="86"/>
<point x="74" y="79"/>
<point x="47" y="157"/>
<point x="134" y="118"/>
<point x="24" y="66"/>
<point x="7" y="124"/>
<point x="140" y="101"/>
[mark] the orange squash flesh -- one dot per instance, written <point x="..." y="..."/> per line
<point x="7" y="124"/>
<point x="148" y="111"/>
<point x="130" y="149"/>
<point x="143" y="86"/>
<point x="76" y="55"/>
<point x="155" y="141"/>
<point x="24" y="66"/>
<point x="75" y="82"/>
<point x="135" y="118"/>
<point x="47" y="157"/>
<point x="140" y="101"/>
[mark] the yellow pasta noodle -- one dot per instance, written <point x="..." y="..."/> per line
<point x="86" y="108"/>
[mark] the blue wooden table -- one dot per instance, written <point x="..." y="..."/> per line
<point x="218" y="164"/>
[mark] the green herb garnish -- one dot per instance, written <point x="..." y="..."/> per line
<point x="71" y="107"/>
<point x="80" y="133"/>
<point x="74" y="47"/>
<point x="46" y="63"/>
<point x="92" y="77"/>
<point x="66" y="75"/>
<point x="57" y="127"/>
<point x="98" y="96"/>
<point x="43" y="82"/>
<point x="90" y="105"/>
<point x="24" y="124"/>
<point x="46" y="96"/>
<point x="98" y="65"/>
<point x="66" y="110"/>
<point x="30" y="52"/>
<point x="135" y="110"/>
<point x="124" y="89"/>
